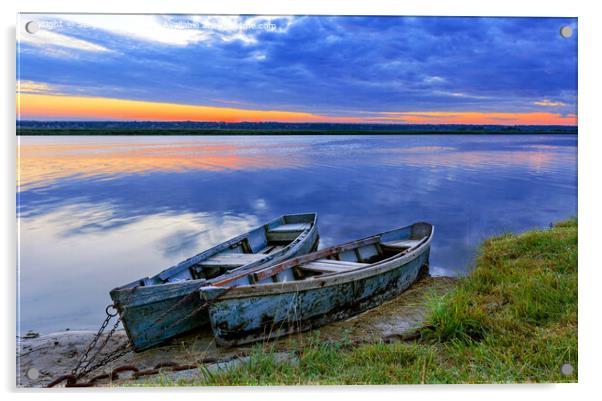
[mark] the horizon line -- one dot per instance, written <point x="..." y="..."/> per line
<point x="167" y="122"/>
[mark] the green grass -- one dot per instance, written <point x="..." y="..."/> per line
<point x="513" y="319"/>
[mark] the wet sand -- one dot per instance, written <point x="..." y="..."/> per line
<point x="42" y="359"/>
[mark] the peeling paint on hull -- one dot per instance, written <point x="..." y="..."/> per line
<point x="237" y="320"/>
<point x="155" y="313"/>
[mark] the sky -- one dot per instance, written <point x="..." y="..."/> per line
<point x="414" y="70"/>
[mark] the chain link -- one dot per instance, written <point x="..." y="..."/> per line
<point x="87" y="364"/>
<point x="116" y="354"/>
<point x="84" y="365"/>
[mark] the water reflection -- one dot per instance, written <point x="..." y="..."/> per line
<point x="44" y="164"/>
<point x="70" y="257"/>
<point x="98" y="212"/>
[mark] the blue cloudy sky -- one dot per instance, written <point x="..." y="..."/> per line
<point x="304" y="68"/>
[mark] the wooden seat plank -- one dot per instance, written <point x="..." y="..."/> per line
<point x="270" y="249"/>
<point x="290" y="227"/>
<point x="343" y="263"/>
<point x="406" y="243"/>
<point x="322" y="267"/>
<point x="232" y="259"/>
<point x="331" y="266"/>
<point x="275" y="249"/>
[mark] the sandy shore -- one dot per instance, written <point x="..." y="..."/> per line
<point x="42" y="359"/>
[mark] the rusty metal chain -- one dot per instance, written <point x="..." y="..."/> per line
<point x="86" y="364"/>
<point x="83" y="365"/>
<point x="112" y="356"/>
<point x="72" y="381"/>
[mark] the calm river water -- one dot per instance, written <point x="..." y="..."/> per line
<point x="97" y="212"/>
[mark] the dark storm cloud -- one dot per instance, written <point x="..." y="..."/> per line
<point x="330" y="65"/>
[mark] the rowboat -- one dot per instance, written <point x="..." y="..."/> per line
<point x="155" y="309"/>
<point x="315" y="289"/>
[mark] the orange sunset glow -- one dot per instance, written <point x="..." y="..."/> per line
<point x="49" y="162"/>
<point x="474" y="117"/>
<point x="58" y="107"/>
<point x="33" y="106"/>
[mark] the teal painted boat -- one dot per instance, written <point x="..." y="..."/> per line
<point x="315" y="289"/>
<point x="154" y="309"/>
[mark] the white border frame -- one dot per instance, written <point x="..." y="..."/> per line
<point x="590" y="28"/>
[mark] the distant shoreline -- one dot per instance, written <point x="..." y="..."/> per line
<point x="35" y="127"/>
<point x="259" y="132"/>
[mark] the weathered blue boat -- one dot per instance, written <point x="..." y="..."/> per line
<point x="167" y="304"/>
<point x="318" y="288"/>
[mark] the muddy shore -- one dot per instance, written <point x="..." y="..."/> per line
<point x="42" y="359"/>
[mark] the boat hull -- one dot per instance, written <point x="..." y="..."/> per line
<point x="153" y="314"/>
<point x="237" y="320"/>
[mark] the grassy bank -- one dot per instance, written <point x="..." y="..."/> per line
<point x="513" y="319"/>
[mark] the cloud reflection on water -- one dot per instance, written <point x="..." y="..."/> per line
<point x="66" y="271"/>
<point x="98" y="212"/>
<point x="41" y="165"/>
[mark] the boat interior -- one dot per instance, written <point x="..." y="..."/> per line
<point x="243" y="253"/>
<point x="341" y="259"/>
<point x="245" y="250"/>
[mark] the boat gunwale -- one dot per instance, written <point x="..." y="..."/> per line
<point x="327" y="280"/>
<point x="122" y="294"/>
